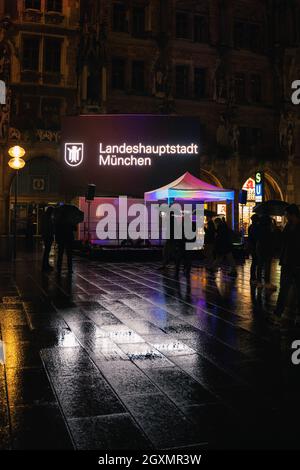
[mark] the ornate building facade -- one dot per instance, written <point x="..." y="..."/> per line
<point x="231" y="63"/>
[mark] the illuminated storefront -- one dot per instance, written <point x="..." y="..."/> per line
<point x="270" y="191"/>
<point x="246" y="210"/>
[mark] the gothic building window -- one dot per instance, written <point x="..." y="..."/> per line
<point x="255" y="37"/>
<point x="28" y="112"/>
<point x="248" y="36"/>
<point x="138" y="20"/>
<point x="182" y="81"/>
<point x="119" y="17"/>
<point x="54" y="5"/>
<point x="201" y="29"/>
<point x="239" y="35"/>
<point x="31" y="53"/>
<point x="32" y="4"/>
<point x="199" y="82"/>
<point x="118" y="74"/>
<point x="256" y="136"/>
<point x="51" y="111"/>
<point x="52" y="55"/>
<point x="138" y="76"/>
<point x="182" y="25"/>
<point x="240" y="87"/>
<point x="250" y="140"/>
<point x="255" y="88"/>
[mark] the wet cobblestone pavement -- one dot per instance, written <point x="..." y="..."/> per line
<point x="129" y="357"/>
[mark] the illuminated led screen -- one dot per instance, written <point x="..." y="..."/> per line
<point x="127" y="154"/>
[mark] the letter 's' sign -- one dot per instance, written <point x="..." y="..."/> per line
<point x="259" y="186"/>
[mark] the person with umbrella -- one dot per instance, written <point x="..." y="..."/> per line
<point x="265" y="251"/>
<point x="67" y="217"/>
<point x="252" y="242"/>
<point x="289" y="293"/>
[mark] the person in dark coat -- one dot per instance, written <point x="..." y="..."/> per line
<point x="265" y="251"/>
<point x="290" y="261"/>
<point x="223" y="246"/>
<point x="47" y="232"/>
<point x="64" y="236"/>
<point x="183" y="256"/>
<point x="209" y="242"/>
<point x="252" y="242"/>
<point x="168" y="251"/>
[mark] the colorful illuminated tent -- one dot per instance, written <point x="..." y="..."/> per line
<point x="190" y="188"/>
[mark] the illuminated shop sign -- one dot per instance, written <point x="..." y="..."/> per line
<point x="128" y="154"/>
<point x="259" y="186"/>
<point x="249" y="186"/>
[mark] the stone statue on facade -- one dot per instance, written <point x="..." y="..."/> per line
<point x="161" y="78"/>
<point x="286" y="132"/>
<point x="235" y="137"/>
<point x="223" y="132"/>
<point x="5" y="117"/>
<point x="220" y="82"/>
<point x="290" y="76"/>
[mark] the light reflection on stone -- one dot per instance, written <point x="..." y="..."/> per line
<point x="2" y="359"/>
<point x="67" y="339"/>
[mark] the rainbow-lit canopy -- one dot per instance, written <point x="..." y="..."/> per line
<point x="188" y="187"/>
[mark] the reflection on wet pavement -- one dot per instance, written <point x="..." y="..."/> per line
<point x="128" y="357"/>
<point x="1" y="352"/>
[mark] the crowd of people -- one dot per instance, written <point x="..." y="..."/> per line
<point x="218" y="246"/>
<point x="265" y="242"/>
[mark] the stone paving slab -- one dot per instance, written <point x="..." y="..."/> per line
<point x="125" y="356"/>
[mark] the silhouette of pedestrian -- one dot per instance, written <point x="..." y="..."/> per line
<point x="252" y="242"/>
<point x="223" y="246"/>
<point x="290" y="262"/>
<point x="265" y="251"/>
<point x="182" y="254"/>
<point x="209" y="242"/>
<point x="64" y="235"/>
<point x="47" y="232"/>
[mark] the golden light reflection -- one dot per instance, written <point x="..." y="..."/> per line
<point x="11" y="348"/>
<point x="67" y="339"/>
<point x="2" y="358"/>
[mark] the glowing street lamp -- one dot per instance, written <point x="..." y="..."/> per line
<point x="16" y="152"/>
<point x="16" y="163"/>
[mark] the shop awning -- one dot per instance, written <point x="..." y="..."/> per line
<point x="188" y="187"/>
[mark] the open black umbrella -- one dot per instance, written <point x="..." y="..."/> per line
<point x="69" y="214"/>
<point x="209" y="213"/>
<point x="275" y="208"/>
